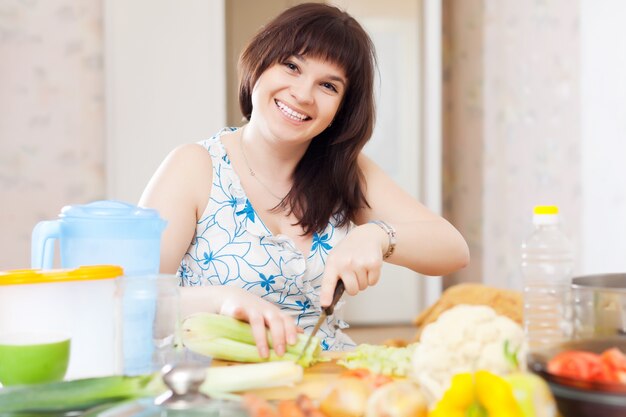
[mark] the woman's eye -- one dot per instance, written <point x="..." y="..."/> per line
<point x="329" y="86"/>
<point x="291" y="66"/>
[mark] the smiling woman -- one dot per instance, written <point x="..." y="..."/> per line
<point x="264" y="220"/>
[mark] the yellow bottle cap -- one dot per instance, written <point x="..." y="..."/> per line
<point x="38" y="276"/>
<point x="546" y="210"/>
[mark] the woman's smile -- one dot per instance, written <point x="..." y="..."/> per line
<point x="291" y="113"/>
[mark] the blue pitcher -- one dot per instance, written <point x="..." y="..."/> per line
<point x="102" y="232"/>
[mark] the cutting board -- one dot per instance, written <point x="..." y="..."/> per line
<point x="314" y="382"/>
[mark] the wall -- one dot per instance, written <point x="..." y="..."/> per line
<point x="512" y="136"/>
<point x="51" y="115"/>
<point x="165" y="84"/>
<point x="535" y="113"/>
<point x="603" y="130"/>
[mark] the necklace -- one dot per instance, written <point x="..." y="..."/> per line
<point x="245" y="158"/>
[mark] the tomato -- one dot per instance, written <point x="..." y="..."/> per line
<point x="616" y="361"/>
<point x="610" y="366"/>
<point x="615" y="358"/>
<point x="576" y="364"/>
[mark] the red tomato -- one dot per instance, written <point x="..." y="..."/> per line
<point x="576" y="364"/>
<point x="615" y="358"/>
<point x="616" y="361"/>
<point x="610" y="366"/>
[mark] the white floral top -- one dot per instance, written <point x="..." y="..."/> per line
<point x="232" y="246"/>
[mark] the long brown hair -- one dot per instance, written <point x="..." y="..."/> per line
<point x="327" y="181"/>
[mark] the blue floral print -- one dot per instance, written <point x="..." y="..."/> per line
<point x="232" y="246"/>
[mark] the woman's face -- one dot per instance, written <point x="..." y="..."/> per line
<point x="298" y="98"/>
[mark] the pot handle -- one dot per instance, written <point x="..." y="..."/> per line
<point x="42" y="244"/>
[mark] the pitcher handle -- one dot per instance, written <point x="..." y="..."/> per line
<point x="42" y="244"/>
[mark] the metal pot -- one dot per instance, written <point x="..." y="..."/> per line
<point x="599" y="305"/>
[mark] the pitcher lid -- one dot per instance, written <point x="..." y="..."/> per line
<point x="110" y="209"/>
<point x="38" y="276"/>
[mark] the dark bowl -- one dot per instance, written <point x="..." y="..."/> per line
<point x="577" y="398"/>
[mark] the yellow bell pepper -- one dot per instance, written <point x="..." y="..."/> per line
<point x="481" y="394"/>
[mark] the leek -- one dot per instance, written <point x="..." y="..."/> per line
<point x="76" y="395"/>
<point x="82" y="394"/>
<point x="227" y="338"/>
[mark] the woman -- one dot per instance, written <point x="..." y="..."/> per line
<point x="268" y="217"/>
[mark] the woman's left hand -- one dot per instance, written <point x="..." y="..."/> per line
<point x="357" y="261"/>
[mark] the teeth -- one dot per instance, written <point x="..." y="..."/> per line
<point x="290" y="112"/>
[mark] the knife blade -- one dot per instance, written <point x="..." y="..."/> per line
<point x="339" y="289"/>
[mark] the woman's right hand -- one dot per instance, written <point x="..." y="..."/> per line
<point x="243" y="305"/>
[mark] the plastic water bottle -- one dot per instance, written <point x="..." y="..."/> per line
<point x="547" y="267"/>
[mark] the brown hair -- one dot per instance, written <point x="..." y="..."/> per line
<point x="327" y="181"/>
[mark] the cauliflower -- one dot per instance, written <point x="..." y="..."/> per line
<point x="465" y="338"/>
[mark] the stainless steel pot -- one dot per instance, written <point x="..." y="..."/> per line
<point x="599" y="305"/>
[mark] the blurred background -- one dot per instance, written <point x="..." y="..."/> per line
<point x="486" y="108"/>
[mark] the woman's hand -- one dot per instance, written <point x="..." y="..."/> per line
<point x="357" y="261"/>
<point x="243" y="305"/>
<point x="261" y="314"/>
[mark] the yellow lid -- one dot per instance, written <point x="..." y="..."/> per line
<point x="546" y="210"/>
<point x="38" y="276"/>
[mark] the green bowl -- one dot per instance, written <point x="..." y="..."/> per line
<point x="28" y="358"/>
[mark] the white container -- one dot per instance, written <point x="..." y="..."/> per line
<point x="79" y="303"/>
<point x="547" y="266"/>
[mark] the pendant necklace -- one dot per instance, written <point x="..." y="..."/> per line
<point x="252" y="173"/>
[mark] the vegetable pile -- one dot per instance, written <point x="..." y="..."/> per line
<point x="466" y="338"/>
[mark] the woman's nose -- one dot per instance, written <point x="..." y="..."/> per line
<point x="302" y="91"/>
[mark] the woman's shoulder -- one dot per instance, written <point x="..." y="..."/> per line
<point x="189" y="154"/>
<point x="200" y="152"/>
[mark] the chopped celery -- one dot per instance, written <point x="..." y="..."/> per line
<point x="386" y="360"/>
<point x="226" y="338"/>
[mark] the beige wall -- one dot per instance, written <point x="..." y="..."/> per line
<point x="51" y="115"/>
<point x="512" y="134"/>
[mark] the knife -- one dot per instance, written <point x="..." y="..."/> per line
<point x="339" y="288"/>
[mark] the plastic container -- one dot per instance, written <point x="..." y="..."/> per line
<point x="547" y="267"/>
<point x="150" y="318"/>
<point x="78" y="304"/>
<point x="102" y="232"/>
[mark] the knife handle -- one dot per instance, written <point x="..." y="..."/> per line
<point x="339" y="289"/>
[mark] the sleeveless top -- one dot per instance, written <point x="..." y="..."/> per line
<point x="232" y="246"/>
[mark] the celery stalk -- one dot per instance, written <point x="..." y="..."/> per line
<point x="226" y="338"/>
<point x="250" y="376"/>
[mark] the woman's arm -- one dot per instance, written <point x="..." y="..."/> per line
<point x="179" y="190"/>
<point x="425" y="242"/>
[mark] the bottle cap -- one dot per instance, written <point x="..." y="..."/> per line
<point x="546" y="215"/>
